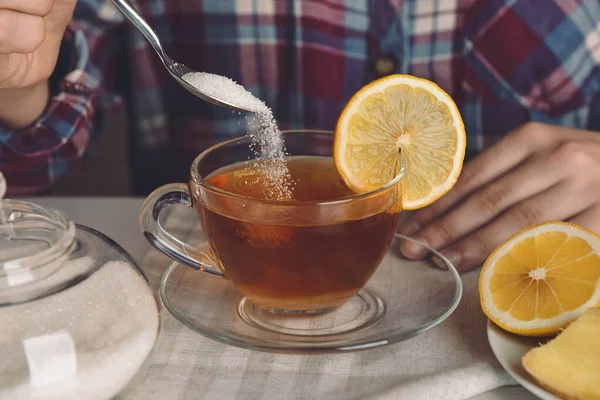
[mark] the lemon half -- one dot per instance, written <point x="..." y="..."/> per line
<point x="541" y="278"/>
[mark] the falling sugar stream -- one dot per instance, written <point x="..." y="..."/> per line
<point x="267" y="142"/>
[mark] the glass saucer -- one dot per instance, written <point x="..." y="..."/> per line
<point x="402" y="299"/>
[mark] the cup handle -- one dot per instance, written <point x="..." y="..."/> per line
<point x="158" y="200"/>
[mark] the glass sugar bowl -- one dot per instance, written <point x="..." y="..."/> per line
<point x="78" y="319"/>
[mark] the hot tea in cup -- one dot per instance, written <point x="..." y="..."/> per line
<point x="307" y="251"/>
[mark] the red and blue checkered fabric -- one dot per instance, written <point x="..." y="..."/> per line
<point x="505" y="62"/>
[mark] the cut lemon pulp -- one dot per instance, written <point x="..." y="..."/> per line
<point x="542" y="278"/>
<point x="401" y="113"/>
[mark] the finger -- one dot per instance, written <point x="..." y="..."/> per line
<point x="20" y="33"/>
<point x="557" y="203"/>
<point x="589" y="219"/>
<point x="34" y="7"/>
<point x="532" y="177"/>
<point x="487" y="166"/>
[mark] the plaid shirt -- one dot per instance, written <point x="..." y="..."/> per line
<point x="505" y="62"/>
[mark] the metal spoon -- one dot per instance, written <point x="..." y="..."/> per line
<point x="176" y="69"/>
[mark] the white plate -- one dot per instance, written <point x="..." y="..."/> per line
<point x="509" y="349"/>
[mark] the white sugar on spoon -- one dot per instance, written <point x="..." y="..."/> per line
<point x="223" y="88"/>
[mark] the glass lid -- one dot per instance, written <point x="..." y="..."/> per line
<point x="35" y="242"/>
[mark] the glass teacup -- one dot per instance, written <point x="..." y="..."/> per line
<point x="297" y="255"/>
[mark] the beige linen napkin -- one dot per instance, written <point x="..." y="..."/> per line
<point x="451" y="361"/>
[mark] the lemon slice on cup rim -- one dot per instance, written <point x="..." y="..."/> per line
<point x="401" y="114"/>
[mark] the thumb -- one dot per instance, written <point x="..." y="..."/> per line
<point x="59" y="16"/>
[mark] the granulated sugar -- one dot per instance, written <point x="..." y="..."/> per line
<point x="111" y="322"/>
<point x="270" y="160"/>
<point x="266" y="138"/>
<point x="226" y="89"/>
